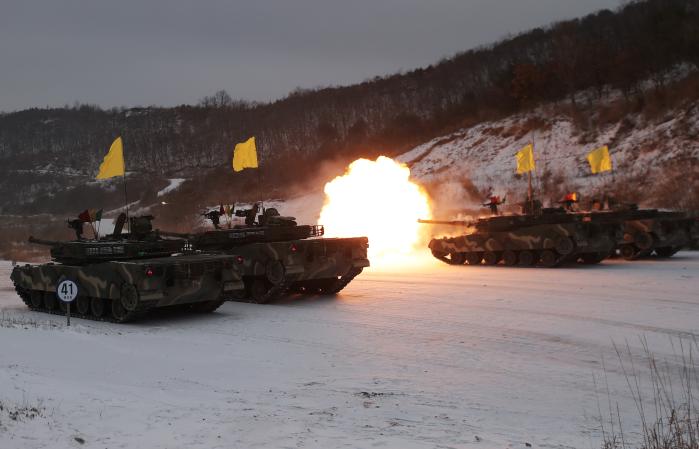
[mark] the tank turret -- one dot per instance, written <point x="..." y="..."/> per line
<point x="141" y="242"/>
<point x="267" y="227"/>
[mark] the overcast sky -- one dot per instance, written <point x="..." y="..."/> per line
<point x="168" y="52"/>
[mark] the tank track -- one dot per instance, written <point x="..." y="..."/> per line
<point x="291" y="286"/>
<point x="129" y="316"/>
<point x="272" y="292"/>
<point x="207" y="306"/>
<point x="143" y="309"/>
<point x="329" y="286"/>
<point x="556" y="260"/>
<point x="342" y="282"/>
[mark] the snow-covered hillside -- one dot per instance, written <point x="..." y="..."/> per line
<point x="644" y="154"/>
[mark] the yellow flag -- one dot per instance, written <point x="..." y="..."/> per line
<point x="599" y="160"/>
<point x="113" y="164"/>
<point x="525" y="159"/>
<point x="245" y="155"/>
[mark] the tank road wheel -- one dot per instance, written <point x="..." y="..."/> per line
<point x="82" y="304"/>
<point x="526" y="258"/>
<point x="129" y="297"/>
<point x="258" y="290"/>
<point x="565" y="246"/>
<point x="509" y="258"/>
<point x="643" y="240"/>
<point x="491" y="258"/>
<point x="50" y="301"/>
<point x="119" y="313"/>
<point x="275" y="272"/>
<point x="474" y="258"/>
<point x="629" y="252"/>
<point x="549" y="259"/>
<point x="36" y="299"/>
<point x="456" y="258"/>
<point x="98" y="308"/>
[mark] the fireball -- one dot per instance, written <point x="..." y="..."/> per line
<point x="376" y="199"/>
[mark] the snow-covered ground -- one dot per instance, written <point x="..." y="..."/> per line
<point x="422" y="357"/>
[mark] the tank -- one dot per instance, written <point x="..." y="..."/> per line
<point x="121" y="277"/>
<point x="548" y="237"/>
<point x="277" y="256"/>
<point x="649" y="232"/>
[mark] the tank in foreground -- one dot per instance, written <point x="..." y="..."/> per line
<point x="123" y="276"/>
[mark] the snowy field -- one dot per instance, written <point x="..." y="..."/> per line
<point x="440" y="357"/>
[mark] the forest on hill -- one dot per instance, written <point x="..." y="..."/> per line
<point x="49" y="157"/>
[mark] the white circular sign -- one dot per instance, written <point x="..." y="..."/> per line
<point x="67" y="291"/>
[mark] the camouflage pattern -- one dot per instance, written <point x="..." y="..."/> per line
<point x="277" y="256"/>
<point x="124" y="290"/>
<point x="652" y="232"/>
<point x="301" y="266"/>
<point x="122" y="276"/>
<point x="549" y="239"/>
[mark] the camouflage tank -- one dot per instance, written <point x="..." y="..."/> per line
<point x="277" y="256"/>
<point x="548" y="237"/>
<point x="122" y="276"/>
<point x="650" y="231"/>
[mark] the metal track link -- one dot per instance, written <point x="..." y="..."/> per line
<point x="130" y="316"/>
<point x="342" y="282"/>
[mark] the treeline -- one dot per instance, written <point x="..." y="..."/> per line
<point x="607" y="50"/>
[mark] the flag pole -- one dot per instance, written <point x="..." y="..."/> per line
<point x="126" y="202"/>
<point x="126" y="196"/>
<point x="94" y="232"/>
<point x="531" y="198"/>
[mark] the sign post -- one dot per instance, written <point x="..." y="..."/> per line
<point x="67" y="291"/>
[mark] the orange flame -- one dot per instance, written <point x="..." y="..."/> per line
<point x="376" y="199"/>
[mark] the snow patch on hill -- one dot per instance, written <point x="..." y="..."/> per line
<point x="485" y="154"/>
<point x="174" y="184"/>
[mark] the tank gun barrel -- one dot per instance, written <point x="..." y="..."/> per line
<point x="446" y="222"/>
<point x="32" y="239"/>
